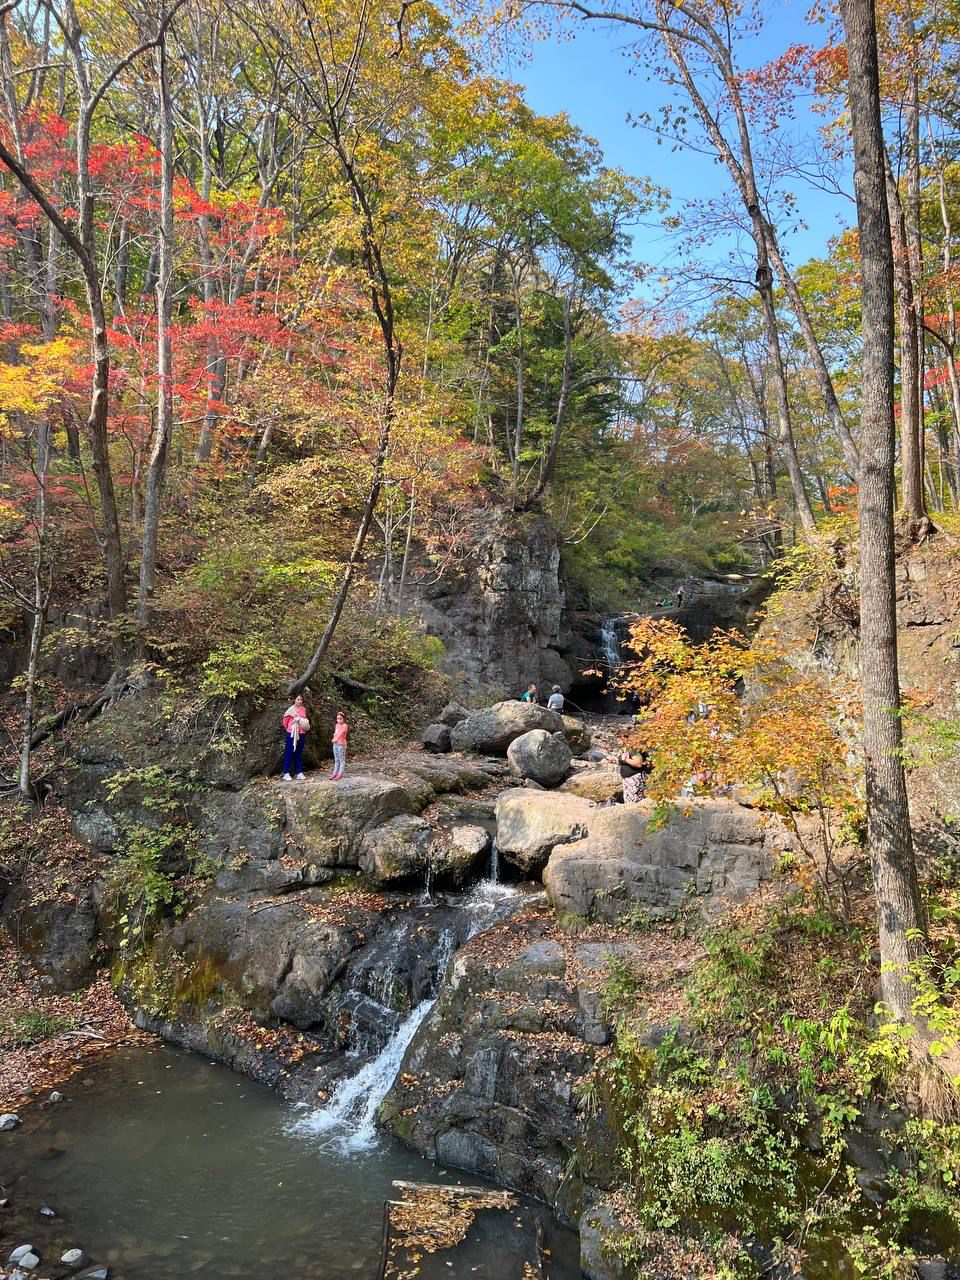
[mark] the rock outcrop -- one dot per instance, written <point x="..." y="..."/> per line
<point x="502" y="624"/>
<point x="489" y="1082"/>
<point x="279" y="987"/>
<point x="714" y="850"/>
<point x="343" y="824"/>
<point x="531" y="824"/>
<point x="544" y="757"/>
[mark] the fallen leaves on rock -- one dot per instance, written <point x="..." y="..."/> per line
<point x="427" y="1219"/>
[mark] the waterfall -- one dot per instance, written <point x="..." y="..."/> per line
<point x="494" y="876"/>
<point x="610" y="643"/>
<point x="351" y="1114"/>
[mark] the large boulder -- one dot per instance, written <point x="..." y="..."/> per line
<point x="544" y="757"/>
<point x="716" y="850"/>
<point x="490" y="730"/>
<point x="436" y="738"/>
<point x="398" y="851"/>
<point x="530" y="824"/>
<point x="599" y="785"/>
<point x="458" y="853"/>
<point x="327" y="821"/>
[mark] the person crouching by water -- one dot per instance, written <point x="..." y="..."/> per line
<point x="530" y="695"/>
<point x="341" y="729"/>
<point x="296" y="726"/>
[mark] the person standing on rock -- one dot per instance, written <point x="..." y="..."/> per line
<point x="530" y="695"/>
<point x="555" y="701"/>
<point x="340" y="731"/>
<point x="680" y="596"/>
<point x="296" y="726"/>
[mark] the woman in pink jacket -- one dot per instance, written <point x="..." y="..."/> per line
<point x="296" y="726"/>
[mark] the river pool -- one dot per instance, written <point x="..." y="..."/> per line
<point x="167" y="1166"/>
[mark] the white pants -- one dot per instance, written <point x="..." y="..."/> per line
<point x="339" y="757"/>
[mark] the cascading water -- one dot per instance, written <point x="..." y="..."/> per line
<point x="610" y="643"/>
<point x="350" y="1117"/>
<point x="351" y="1114"/>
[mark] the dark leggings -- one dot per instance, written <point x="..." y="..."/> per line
<point x="293" y="755"/>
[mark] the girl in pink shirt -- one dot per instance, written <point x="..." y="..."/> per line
<point x="340" y="732"/>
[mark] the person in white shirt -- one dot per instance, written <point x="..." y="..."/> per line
<point x="555" y="701"/>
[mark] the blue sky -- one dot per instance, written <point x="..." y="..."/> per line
<point x="594" y="78"/>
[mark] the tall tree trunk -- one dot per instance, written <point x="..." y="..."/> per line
<point x="788" y="447"/>
<point x="900" y="915"/>
<point x="156" y="468"/>
<point x="911" y="466"/>
<point x="550" y="461"/>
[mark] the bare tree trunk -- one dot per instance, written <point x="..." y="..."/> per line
<point x="408" y="542"/>
<point x="39" y="609"/>
<point x="381" y="303"/>
<point x="900" y="916"/>
<point x="518" y="426"/>
<point x="550" y="462"/>
<point x="156" y="468"/>
<point x="911" y="468"/>
<point x="788" y="446"/>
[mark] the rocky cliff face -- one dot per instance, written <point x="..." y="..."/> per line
<point x="496" y="1079"/>
<point x="502" y="623"/>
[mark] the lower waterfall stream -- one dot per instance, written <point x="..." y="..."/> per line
<point x="164" y="1165"/>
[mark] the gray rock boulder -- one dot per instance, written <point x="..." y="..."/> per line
<point x="577" y="734"/>
<point x="599" y="1226"/>
<point x="73" y="1258"/>
<point x="452" y="714"/>
<point x="714" y="850"/>
<point x="490" y="730"/>
<point x="599" y="785"/>
<point x="9" y="1120"/>
<point x="530" y="825"/>
<point x="398" y="851"/>
<point x="327" y="821"/>
<point x="436" y="738"/>
<point x="457" y="853"/>
<point x="544" y="757"/>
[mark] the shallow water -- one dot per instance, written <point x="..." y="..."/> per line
<point x="167" y="1166"/>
